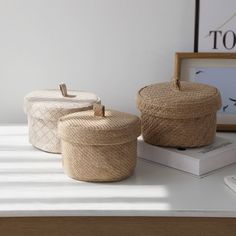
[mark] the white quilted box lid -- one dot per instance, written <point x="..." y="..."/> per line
<point x="52" y="104"/>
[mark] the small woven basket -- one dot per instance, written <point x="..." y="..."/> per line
<point x="45" y="107"/>
<point x="179" y="114"/>
<point x="99" y="146"/>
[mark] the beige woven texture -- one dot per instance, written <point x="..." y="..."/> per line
<point x="44" y="108"/>
<point x="99" y="163"/>
<point x="43" y="135"/>
<point x="99" y="149"/>
<point x="179" y="118"/>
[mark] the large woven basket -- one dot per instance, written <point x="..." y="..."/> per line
<point x="99" y="148"/>
<point x="45" y="107"/>
<point x="179" y="114"/>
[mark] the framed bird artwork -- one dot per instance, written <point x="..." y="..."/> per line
<point x="218" y="70"/>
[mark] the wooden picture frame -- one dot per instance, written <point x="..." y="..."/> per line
<point x="215" y="26"/>
<point x="200" y="67"/>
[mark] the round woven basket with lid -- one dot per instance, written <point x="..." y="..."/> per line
<point x="45" y="107"/>
<point x="99" y="147"/>
<point x="179" y="114"/>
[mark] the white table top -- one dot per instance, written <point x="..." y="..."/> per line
<point x="32" y="183"/>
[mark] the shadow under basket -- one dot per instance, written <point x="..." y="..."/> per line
<point x="99" y="148"/>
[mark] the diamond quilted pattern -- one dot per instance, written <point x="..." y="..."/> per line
<point x="44" y="108"/>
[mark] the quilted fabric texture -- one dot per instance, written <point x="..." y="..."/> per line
<point x="44" y="108"/>
<point x="50" y="104"/>
<point x="43" y="135"/>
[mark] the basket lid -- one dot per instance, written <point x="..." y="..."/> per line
<point x="179" y="101"/>
<point x="89" y="128"/>
<point x="52" y="104"/>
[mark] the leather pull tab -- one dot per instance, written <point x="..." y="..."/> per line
<point x="64" y="91"/>
<point x="176" y="84"/>
<point x="99" y="110"/>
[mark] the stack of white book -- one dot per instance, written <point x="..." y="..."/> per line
<point x="197" y="161"/>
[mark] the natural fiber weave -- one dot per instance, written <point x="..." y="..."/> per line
<point x="185" y="133"/>
<point x="99" y="149"/>
<point x="179" y="118"/>
<point x="99" y="163"/>
<point x="85" y="128"/>
<point x="191" y="101"/>
<point x="44" y="108"/>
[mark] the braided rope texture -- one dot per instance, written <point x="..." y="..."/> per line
<point x="99" y="163"/>
<point x="179" y="118"/>
<point x="185" y="133"/>
<point x="99" y="149"/>
<point x="85" y="128"/>
<point x="191" y="101"/>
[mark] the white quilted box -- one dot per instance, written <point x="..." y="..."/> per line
<point x="45" y="107"/>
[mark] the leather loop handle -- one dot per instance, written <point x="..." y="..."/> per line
<point x="99" y="110"/>
<point x="176" y="83"/>
<point x="64" y="92"/>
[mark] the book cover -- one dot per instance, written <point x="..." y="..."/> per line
<point x="197" y="161"/>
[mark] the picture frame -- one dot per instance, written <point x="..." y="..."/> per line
<point x="216" y="69"/>
<point x="215" y="22"/>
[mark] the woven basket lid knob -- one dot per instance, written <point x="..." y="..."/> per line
<point x="64" y="91"/>
<point x="99" y="110"/>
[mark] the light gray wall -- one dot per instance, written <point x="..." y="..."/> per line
<point x="111" y="47"/>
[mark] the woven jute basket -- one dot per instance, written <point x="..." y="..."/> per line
<point x="179" y="114"/>
<point x="45" y="107"/>
<point x="99" y="146"/>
